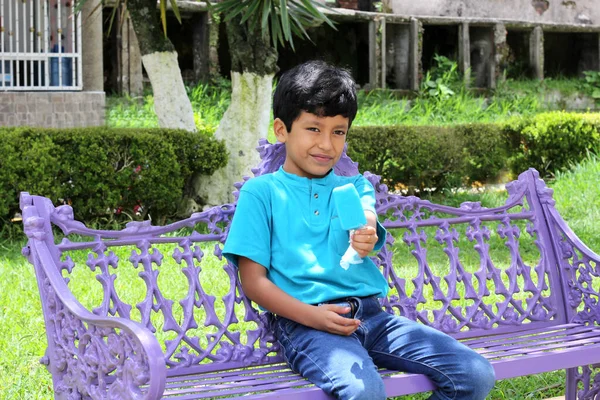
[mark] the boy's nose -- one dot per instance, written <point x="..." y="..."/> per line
<point x="325" y="142"/>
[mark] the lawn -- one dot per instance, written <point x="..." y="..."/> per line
<point x="22" y="339"/>
<point x="376" y="107"/>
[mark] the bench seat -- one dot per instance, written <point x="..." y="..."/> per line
<point x="512" y="355"/>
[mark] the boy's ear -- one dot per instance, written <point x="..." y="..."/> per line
<point x="280" y="130"/>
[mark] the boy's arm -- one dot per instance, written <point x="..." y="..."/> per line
<point x="266" y="294"/>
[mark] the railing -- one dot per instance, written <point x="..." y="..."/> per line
<point x="40" y="45"/>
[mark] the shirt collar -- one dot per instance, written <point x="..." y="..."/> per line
<point x="303" y="181"/>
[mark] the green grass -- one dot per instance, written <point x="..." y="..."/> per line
<point x="22" y="339"/>
<point x="209" y="102"/>
<point x="376" y="107"/>
<point x="384" y="107"/>
<point x="566" y="86"/>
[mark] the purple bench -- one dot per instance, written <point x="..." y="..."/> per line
<point x="155" y="311"/>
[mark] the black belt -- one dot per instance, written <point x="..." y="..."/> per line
<point x="353" y="306"/>
<point x="352" y="301"/>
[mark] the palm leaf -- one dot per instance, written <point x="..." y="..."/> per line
<point x="163" y="15"/>
<point x="284" y="18"/>
<point x="266" y="12"/>
<point x="253" y="7"/>
<point x="175" y="11"/>
<point x="285" y="21"/>
<point x="298" y="27"/>
<point x="311" y="7"/>
<point x="276" y="34"/>
<point x="230" y="8"/>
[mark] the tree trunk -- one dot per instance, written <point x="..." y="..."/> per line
<point x="171" y="103"/>
<point x="253" y="65"/>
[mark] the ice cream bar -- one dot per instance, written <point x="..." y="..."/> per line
<point x="349" y="208"/>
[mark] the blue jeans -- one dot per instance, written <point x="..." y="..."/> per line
<point x="346" y="366"/>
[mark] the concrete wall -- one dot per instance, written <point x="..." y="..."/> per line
<point x="547" y="11"/>
<point x="52" y="109"/>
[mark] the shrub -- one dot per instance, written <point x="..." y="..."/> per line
<point x="552" y="142"/>
<point x="484" y="150"/>
<point x="103" y="171"/>
<point x="429" y="157"/>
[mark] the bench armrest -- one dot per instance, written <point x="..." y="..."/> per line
<point x="578" y="268"/>
<point x="88" y="355"/>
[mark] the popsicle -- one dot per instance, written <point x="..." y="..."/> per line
<point x="351" y="215"/>
<point x="349" y="208"/>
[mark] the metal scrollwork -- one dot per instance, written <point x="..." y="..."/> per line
<point x="93" y="361"/>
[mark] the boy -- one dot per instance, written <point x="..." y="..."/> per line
<point x="287" y="243"/>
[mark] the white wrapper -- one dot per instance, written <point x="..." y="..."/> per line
<point x="350" y="257"/>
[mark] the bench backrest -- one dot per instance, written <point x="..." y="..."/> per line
<point x="462" y="270"/>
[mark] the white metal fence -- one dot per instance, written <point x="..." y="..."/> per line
<point x="40" y="45"/>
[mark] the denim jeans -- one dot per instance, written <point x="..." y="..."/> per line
<point x="346" y="366"/>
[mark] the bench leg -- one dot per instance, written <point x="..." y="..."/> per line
<point x="571" y="384"/>
<point x="588" y="379"/>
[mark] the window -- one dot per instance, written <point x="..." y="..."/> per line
<point x="40" y="45"/>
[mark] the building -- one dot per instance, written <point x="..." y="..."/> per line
<point x="393" y="43"/>
<point x="51" y="72"/>
<point x="55" y="68"/>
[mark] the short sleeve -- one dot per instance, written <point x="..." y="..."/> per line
<point x="367" y="198"/>
<point x="250" y="231"/>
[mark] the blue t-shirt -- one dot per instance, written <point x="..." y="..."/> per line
<point x="289" y="225"/>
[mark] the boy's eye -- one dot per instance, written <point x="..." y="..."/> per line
<point x="341" y="133"/>
<point x="313" y="129"/>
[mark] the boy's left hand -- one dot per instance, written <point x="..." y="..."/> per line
<point x="364" y="240"/>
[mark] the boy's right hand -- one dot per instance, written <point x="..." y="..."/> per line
<point x="328" y="318"/>
<point x="262" y="291"/>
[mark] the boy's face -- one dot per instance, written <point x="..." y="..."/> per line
<point x="314" y="145"/>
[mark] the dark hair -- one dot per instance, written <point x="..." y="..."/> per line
<point x="315" y="87"/>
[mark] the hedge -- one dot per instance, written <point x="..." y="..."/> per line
<point x="551" y="142"/>
<point x="103" y="171"/>
<point x="420" y="157"/>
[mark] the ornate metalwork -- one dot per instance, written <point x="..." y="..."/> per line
<point x="491" y="296"/>
<point x="93" y="361"/>
<point x="497" y="274"/>
<point x="586" y="382"/>
<point x="580" y="273"/>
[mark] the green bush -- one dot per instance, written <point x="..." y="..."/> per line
<point x="484" y="151"/>
<point x="104" y="172"/>
<point x="552" y="142"/>
<point x="422" y="157"/>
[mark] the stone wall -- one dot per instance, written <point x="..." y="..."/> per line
<point x="569" y="12"/>
<point x="52" y="109"/>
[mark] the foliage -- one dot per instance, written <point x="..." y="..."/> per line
<point x="385" y="107"/>
<point x="551" y="142"/>
<point x="376" y="107"/>
<point x="115" y="4"/>
<point x="592" y="84"/>
<point x="279" y="19"/>
<point x="419" y="157"/>
<point x="484" y="151"/>
<point x="426" y="157"/>
<point x="437" y="82"/>
<point x="209" y="102"/>
<point x="104" y="172"/>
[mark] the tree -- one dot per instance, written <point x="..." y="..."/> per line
<point x="171" y="103"/>
<point x="254" y="27"/>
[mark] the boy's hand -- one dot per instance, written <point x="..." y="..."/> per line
<point x="327" y="318"/>
<point x="364" y="240"/>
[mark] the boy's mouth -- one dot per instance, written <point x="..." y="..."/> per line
<point x="322" y="158"/>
